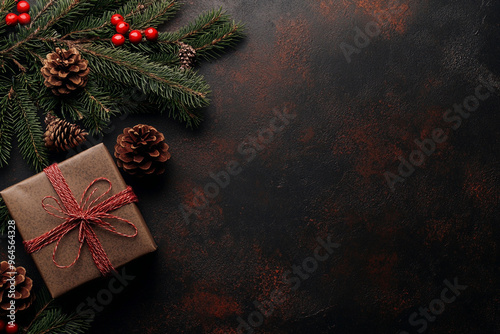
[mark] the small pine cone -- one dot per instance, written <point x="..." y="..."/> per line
<point x="65" y="71"/>
<point x="61" y="135"/>
<point x="187" y="55"/>
<point x="141" y="150"/>
<point x="22" y="287"/>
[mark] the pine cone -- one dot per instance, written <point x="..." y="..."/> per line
<point x="23" y="285"/>
<point x="186" y="54"/>
<point x="61" y="135"/>
<point x="65" y="71"/>
<point x="141" y="150"/>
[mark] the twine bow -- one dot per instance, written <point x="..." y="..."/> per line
<point x="82" y="216"/>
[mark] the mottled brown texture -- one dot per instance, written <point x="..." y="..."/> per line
<point x="24" y="201"/>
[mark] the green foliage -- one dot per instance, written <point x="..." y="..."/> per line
<point x="25" y="121"/>
<point x="50" y="318"/>
<point x="210" y="34"/>
<point x="4" y="217"/>
<point x="117" y="73"/>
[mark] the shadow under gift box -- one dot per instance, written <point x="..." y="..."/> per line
<point x="24" y="201"/>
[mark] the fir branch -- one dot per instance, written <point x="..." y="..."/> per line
<point x="63" y="12"/>
<point x="71" y="108"/>
<point x="138" y="13"/>
<point x="5" y="7"/>
<point x="47" y="19"/>
<point x="29" y="130"/>
<point x="165" y="54"/>
<point x="104" y="6"/>
<point x="202" y="23"/>
<point x="4" y="217"/>
<point x="51" y="319"/>
<point x="154" y="14"/>
<point x="97" y="105"/>
<point x="56" y="322"/>
<point x="150" y="68"/>
<point x="6" y="130"/>
<point x="192" y="118"/>
<point x="43" y="301"/>
<point x="212" y="45"/>
<point x="39" y="11"/>
<point x="18" y="44"/>
<point x="210" y="34"/>
<point x="93" y="24"/>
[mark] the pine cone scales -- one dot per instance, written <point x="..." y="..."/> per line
<point x="186" y="55"/>
<point x="65" y="71"/>
<point x="22" y="291"/>
<point x="62" y="135"/>
<point x="141" y="150"/>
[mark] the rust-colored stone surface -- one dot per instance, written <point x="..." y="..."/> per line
<point x="336" y="113"/>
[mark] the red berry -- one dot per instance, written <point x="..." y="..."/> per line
<point x="24" y="18"/>
<point x="135" y="37"/>
<point x="151" y="34"/>
<point x="122" y="27"/>
<point x="2" y="325"/>
<point x="23" y="7"/>
<point x="11" y="329"/>
<point x="117" y="18"/>
<point x="11" y="19"/>
<point x="118" y="39"/>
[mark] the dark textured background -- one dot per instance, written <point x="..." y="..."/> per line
<point x="324" y="175"/>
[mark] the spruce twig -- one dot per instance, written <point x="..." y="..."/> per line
<point x="50" y="318"/>
<point x="29" y="130"/>
<point x="41" y="12"/>
<point x="4" y="217"/>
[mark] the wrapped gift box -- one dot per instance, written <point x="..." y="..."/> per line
<point x="24" y="201"/>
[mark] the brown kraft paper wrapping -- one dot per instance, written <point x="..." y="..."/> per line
<point x="24" y="201"/>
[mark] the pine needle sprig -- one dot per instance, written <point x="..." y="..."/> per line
<point x="166" y="54"/>
<point x="6" y="6"/>
<point x="201" y="24"/>
<point x="210" y="34"/>
<point x="98" y="108"/>
<point x="4" y="217"/>
<point x="65" y="13"/>
<point x="50" y="318"/>
<point x="212" y="44"/>
<point x="39" y="8"/>
<point x="71" y="109"/>
<point x="153" y="13"/>
<point x="140" y="14"/>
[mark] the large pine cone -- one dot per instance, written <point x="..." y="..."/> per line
<point x="23" y="285"/>
<point x="141" y="150"/>
<point x="65" y="71"/>
<point x="61" y="135"/>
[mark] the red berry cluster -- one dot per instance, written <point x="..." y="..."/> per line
<point x="23" y="7"/>
<point x="135" y="36"/>
<point x="9" y="329"/>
